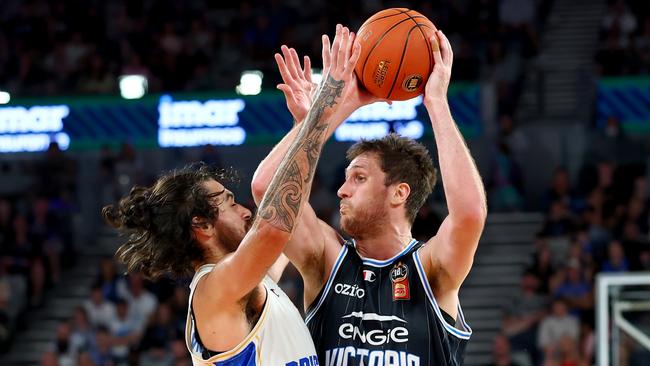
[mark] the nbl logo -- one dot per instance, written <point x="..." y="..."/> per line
<point x="399" y="273"/>
<point x="412" y="83"/>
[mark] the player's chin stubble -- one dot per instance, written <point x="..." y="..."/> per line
<point x="364" y="222"/>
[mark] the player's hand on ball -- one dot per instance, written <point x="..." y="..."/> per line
<point x="438" y="83"/>
<point x="298" y="87"/>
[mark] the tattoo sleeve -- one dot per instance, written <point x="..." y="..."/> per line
<point x="291" y="184"/>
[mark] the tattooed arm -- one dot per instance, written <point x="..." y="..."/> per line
<point x="314" y="245"/>
<point x="289" y="189"/>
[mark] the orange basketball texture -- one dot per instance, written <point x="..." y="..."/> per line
<point x="396" y="53"/>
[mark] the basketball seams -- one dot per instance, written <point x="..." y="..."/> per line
<point x="401" y="61"/>
<point x="393" y="35"/>
<point x="426" y="41"/>
<point x="365" y="62"/>
<point x="380" y="18"/>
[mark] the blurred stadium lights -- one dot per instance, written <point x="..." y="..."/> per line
<point x="4" y="97"/>
<point x="250" y="82"/>
<point x="133" y="86"/>
<point x="316" y="75"/>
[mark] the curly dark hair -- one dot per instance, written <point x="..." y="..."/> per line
<point x="157" y="220"/>
<point x="403" y="160"/>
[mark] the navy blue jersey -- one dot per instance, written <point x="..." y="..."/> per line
<point x="377" y="313"/>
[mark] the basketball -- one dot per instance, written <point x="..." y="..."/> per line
<point x="396" y="56"/>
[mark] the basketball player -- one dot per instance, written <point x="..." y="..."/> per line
<point x="188" y="221"/>
<point x="383" y="298"/>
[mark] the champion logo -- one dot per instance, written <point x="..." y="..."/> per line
<point x="369" y="275"/>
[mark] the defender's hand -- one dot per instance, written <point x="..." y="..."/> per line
<point x="298" y="87"/>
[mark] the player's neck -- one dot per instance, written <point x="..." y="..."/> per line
<point x="212" y="254"/>
<point x="384" y="244"/>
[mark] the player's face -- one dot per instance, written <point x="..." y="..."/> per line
<point x="233" y="221"/>
<point x="364" y="205"/>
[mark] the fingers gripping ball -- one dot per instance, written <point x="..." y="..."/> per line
<point x="396" y="54"/>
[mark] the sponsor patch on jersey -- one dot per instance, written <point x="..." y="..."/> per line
<point x="349" y="290"/>
<point x="399" y="272"/>
<point x="373" y="332"/>
<point x="369" y="275"/>
<point x="399" y="277"/>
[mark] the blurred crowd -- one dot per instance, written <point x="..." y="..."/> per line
<point x="73" y="47"/>
<point x="625" y="38"/>
<point x="597" y="224"/>
<point x="36" y="234"/>
<point x="125" y="321"/>
<point x="596" y="220"/>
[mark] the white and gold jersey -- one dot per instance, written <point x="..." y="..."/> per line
<point x="280" y="336"/>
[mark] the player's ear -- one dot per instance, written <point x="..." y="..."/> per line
<point x="400" y="194"/>
<point x="201" y="227"/>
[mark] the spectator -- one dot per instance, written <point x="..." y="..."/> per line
<point x="179" y="352"/>
<point x="566" y="353"/>
<point x="160" y="331"/>
<point x="82" y="335"/>
<point x="559" y="221"/>
<point x="124" y="332"/>
<point x="587" y="342"/>
<point x="523" y="313"/>
<point x="86" y="359"/>
<point x="558" y="324"/>
<point x="142" y="303"/>
<point x="108" y="279"/>
<point x="96" y="78"/>
<point x="49" y="358"/>
<point x="25" y="258"/>
<point x="44" y="231"/>
<point x="619" y="18"/>
<point x="542" y="266"/>
<point x="501" y="353"/>
<point x="63" y="348"/>
<point x="617" y="261"/>
<point x="100" y="312"/>
<point x="505" y="182"/>
<point x="634" y="244"/>
<point x="574" y="289"/>
<point x="178" y="304"/>
<point x="642" y="47"/>
<point x="100" y="351"/>
<point x="157" y="355"/>
<point x="560" y="190"/>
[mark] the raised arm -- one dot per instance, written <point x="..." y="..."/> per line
<point x="288" y="192"/>
<point x="451" y="251"/>
<point x="299" y="91"/>
<point x="314" y="243"/>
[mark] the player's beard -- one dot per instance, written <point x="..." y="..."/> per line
<point x="361" y="222"/>
<point x="230" y="237"/>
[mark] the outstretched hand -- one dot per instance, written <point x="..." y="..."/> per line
<point x="298" y="87"/>
<point x="339" y="61"/>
